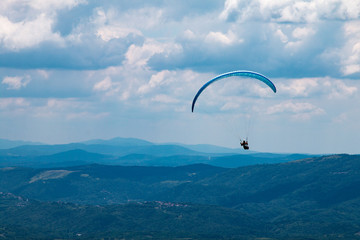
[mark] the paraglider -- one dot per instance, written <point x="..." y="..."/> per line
<point x="249" y="74"/>
<point x="244" y="144"/>
<point x="241" y="73"/>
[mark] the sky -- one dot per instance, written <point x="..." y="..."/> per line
<point x="76" y="70"/>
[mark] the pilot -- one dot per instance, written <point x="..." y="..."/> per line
<point x="244" y="144"/>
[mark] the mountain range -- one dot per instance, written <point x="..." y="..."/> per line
<point x="135" y="189"/>
<point x="130" y="152"/>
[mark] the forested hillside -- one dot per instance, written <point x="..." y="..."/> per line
<point x="314" y="198"/>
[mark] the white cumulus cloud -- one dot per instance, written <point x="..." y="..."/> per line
<point x="298" y="110"/>
<point x="219" y="37"/>
<point x="158" y="79"/>
<point x="299" y="87"/>
<point x="13" y="103"/>
<point x="18" y="35"/>
<point x="291" y="10"/>
<point x="139" y="55"/>
<point x="340" y="90"/>
<point x="108" y="86"/>
<point x="25" y="24"/>
<point x="16" y="83"/>
<point x="350" y="53"/>
<point x="53" y="4"/>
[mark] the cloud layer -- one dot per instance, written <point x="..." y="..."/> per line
<point x="135" y="67"/>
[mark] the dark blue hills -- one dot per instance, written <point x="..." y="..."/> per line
<point x="117" y="150"/>
<point x="321" y="181"/>
<point x="131" y="151"/>
<point x="311" y="198"/>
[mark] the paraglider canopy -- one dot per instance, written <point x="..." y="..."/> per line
<point x="241" y="73"/>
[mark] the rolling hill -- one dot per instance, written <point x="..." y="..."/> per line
<point x="313" y="198"/>
<point x="21" y="218"/>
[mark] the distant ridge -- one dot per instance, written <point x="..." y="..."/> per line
<point x="119" y="141"/>
<point x="135" y="152"/>
<point x="209" y="148"/>
<point x="5" y="143"/>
